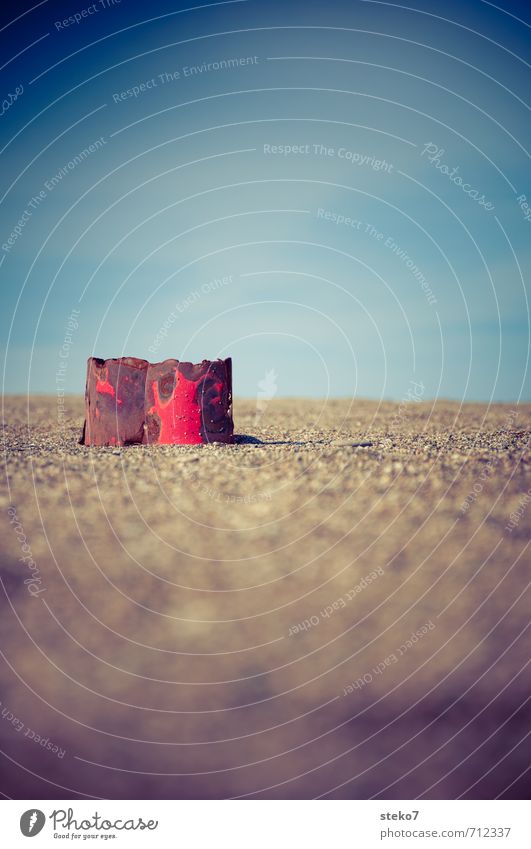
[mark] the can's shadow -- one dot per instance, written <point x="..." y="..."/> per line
<point x="245" y="439"/>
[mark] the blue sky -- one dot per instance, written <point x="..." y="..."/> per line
<point x="243" y="205"/>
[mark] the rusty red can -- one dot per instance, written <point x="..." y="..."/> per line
<point x="131" y="401"/>
<point x="115" y="401"/>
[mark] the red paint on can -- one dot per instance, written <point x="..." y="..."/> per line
<point x="189" y="404"/>
<point x="130" y="401"/>
<point x="105" y="387"/>
<point x="179" y="415"/>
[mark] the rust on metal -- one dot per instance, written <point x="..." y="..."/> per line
<point x="130" y="401"/>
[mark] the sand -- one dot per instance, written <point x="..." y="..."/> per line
<point x="295" y="616"/>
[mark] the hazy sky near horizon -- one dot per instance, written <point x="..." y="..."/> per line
<point x="335" y="192"/>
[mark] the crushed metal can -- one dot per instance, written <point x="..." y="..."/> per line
<point x="130" y="401"/>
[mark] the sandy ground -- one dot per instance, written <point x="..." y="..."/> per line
<point x="295" y="616"/>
